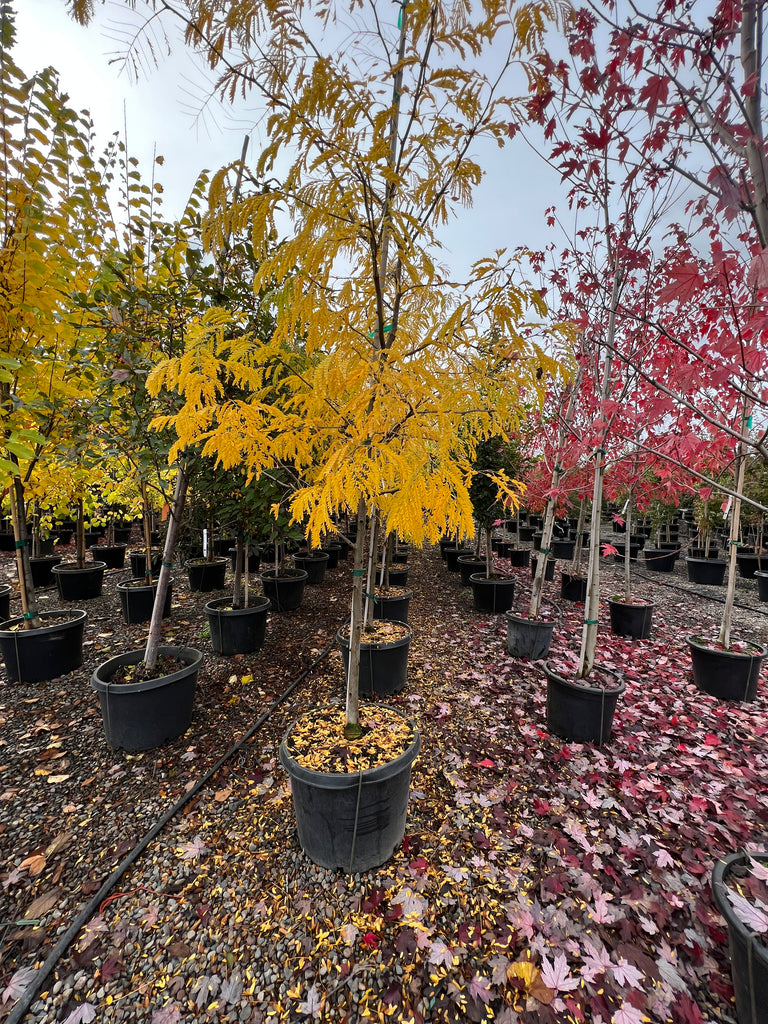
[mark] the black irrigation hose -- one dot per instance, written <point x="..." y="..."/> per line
<point x="30" y="992"/>
<point x="694" y="593"/>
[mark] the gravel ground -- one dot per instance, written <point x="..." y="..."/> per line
<point x="222" y="918"/>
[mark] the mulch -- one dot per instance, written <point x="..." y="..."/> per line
<point x="539" y="880"/>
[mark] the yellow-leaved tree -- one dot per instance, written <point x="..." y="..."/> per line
<point x="382" y="373"/>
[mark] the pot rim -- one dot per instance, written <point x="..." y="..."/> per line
<point x="287" y="574"/>
<point x="368" y="776"/>
<point x="526" y="620"/>
<point x="132" y="657"/>
<point x="479" y="577"/>
<point x="387" y="645"/>
<point x="72" y="614"/>
<point x="578" y="687"/>
<point x="723" y="904"/>
<point x="205" y="561"/>
<point x="692" y="641"/>
<point x="631" y="604"/>
<point x="212" y="608"/>
<point x="74" y="567"/>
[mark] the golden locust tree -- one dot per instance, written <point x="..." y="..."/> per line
<point x="381" y="374"/>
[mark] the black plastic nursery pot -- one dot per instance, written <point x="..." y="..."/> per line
<point x="313" y="564"/>
<point x="492" y="596"/>
<point x="528" y="638"/>
<point x="581" y="713"/>
<point x="468" y="565"/>
<point x="621" y="547"/>
<point x="519" y="557"/>
<point x="284" y="590"/>
<point x="207" y="576"/>
<point x="703" y="553"/>
<point x="748" y="564"/>
<point x="383" y="665"/>
<point x="398" y="575"/>
<point x="394" y="606"/>
<point x="563" y="548"/>
<point x="400" y="557"/>
<point x="42" y="570"/>
<point x="549" y="571"/>
<point x="138" y="560"/>
<point x="658" y="560"/>
<point x="526" y="533"/>
<point x="727" y="675"/>
<point x="452" y="556"/>
<point x="333" y="551"/>
<point x="34" y="655"/>
<point x="5" y="601"/>
<point x="253" y="560"/>
<point x="708" y="572"/>
<point x="762" y="585"/>
<point x="748" y="952"/>
<point x="112" y="555"/>
<point x="237" y="630"/>
<point x="76" y="584"/>
<point x="353" y="822"/>
<point x="633" y="620"/>
<point x="573" y="588"/>
<point x="137" y="600"/>
<point x="146" y="714"/>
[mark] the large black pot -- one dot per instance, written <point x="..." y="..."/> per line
<point x="749" y="954"/>
<point x="519" y="557"/>
<point x="452" y="556"/>
<point x="5" y="601"/>
<point x="492" y="596"/>
<point x="727" y="675"/>
<point x="146" y="714"/>
<point x="253" y="559"/>
<point x="398" y="575"/>
<point x="563" y="548"/>
<point x="237" y="630"/>
<point x="137" y="599"/>
<point x="285" y="590"/>
<point x="112" y="555"/>
<point x="77" y="584"/>
<point x="658" y="560"/>
<point x="762" y="585"/>
<point x="573" y="588"/>
<point x="383" y="666"/>
<point x="549" y="571"/>
<point x="708" y="572"/>
<point x="207" y="576"/>
<point x="313" y="564"/>
<point x="702" y="552"/>
<point x="468" y="565"/>
<point x="581" y="713"/>
<point x="528" y="638"/>
<point x="42" y="570"/>
<point x="633" y="620"/>
<point x="333" y="551"/>
<point x="7" y="542"/>
<point x="748" y="564"/>
<point x="353" y="822"/>
<point x="525" y="533"/>
<point x="33" y="655"/>
<point x="393" y="607"/>
<point x="138" y="560"/>
<point x="621" y="547"/>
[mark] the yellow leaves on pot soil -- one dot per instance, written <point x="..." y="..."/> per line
<point x="317" y="740"/>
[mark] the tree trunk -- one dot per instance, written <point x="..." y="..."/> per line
<point x="240" y="555"/>
<point x="352" y="728"/>
<point x="24" y="569"/>
<point x="740" y="465"/>
<point x="147" y="528"/>
<point x="156" y="623"/>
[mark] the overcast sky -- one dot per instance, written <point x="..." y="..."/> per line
<point x="162" y="113"/>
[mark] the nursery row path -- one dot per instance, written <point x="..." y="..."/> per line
<point x="538" y="880"/>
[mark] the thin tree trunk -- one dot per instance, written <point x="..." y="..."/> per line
<point x="739" y="473"/>
<point x="372" y="573"/>
<point x="24" y="569"/>
<point x="627" y="550"/>
<point x="147" y="528"/>
<point x="237" y="601"/>
<point x="576" y="561"/>
<point x="352" y="728"/>
<point x="174" y="521"/>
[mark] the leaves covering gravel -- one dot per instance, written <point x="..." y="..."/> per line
<point x="538" y="881"/>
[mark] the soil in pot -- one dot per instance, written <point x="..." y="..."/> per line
<point x="34" y="655"/>
<point x="528" y="638"/>
<point x="143" y="708"/>
<point x="492" y="595"/>
<point x="350" y="797"/>
<point x="237" y="630"/>
<point x="284" y="588"/>
<point x="582" y="710"/>
<point x="634" y="619"/>
<point x="392" y="603"/>
<point x="727" y="675"/>
<point x="137" y="599"/>
<point x="383" y="656"/>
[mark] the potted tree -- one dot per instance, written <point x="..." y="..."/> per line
<point x="379" y="416"/>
